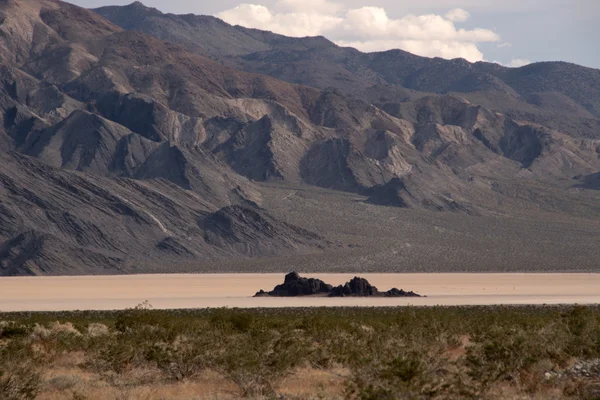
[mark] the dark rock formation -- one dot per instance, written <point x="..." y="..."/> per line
<point x="400" y="293"/>
<point x="360" y="287"/>
<point x="295" y="285"/>
<point x="356" y="287"/>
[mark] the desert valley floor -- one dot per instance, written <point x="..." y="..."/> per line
<point x="236" y="290"/>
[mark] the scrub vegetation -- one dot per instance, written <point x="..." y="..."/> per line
<point x="318" y="353"/>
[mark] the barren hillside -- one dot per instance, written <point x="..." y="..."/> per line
<point x="127" y="149"/>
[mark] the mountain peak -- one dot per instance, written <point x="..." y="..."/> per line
<point x="142" y="10"/>
<point x="137" y="4"/>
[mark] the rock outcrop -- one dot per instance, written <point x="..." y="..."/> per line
<point x="295" y="285"/>
<point x="360" y="287"/>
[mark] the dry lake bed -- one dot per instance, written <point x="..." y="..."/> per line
<point x="236" y="290"/>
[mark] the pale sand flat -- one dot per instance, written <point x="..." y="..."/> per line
<point x="236" y="290"/>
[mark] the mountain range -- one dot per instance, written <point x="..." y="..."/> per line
<point x="135" y="141"/>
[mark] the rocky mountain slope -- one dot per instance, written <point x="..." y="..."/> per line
<point x="124" y="153"/>
<point x="535" y="92"/>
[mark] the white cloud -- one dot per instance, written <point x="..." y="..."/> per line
<point x="458" y="15"/>
<point x="308" y="6"/>
<point x="366" y="28"/>
<point x="504" y="45"/>
<point x="514" y="63"/>
<point x="374" y="22"/>
<point x="433" y="48"/>
<point x="518" y="62"/>
<point x="296" y="24"/>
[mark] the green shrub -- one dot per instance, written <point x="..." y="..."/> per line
<point x="583" y="326"/>
<point x="11" y="329"/>
<point x="389" y="368"/>
<point x="258" y="360"/>
<point x="19" y="373"/>
<point x="114" y="355"/>
<point x="19" y="382"/>
<point x="186" y="357"/>
<point x="420" y="353"/>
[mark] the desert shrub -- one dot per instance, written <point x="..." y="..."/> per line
<point x="186" y="357"/>
<point x="19" y="382"/>
<point x="583" y="327"/>
<point x="114" y="355"/>
<point x="229" y="320"/>
<point x="11" y="329"/>
<point x="504" y="355"/>
<point x="56" y="338"/>
<point x="19" y="372"/>
<point x="257" y="361"/>
<point x="241" y="322"/>
<point x="389" y="367"/>
<point x="405" y="352"/>
<point x="55" y="329"/>
<point x="134" y="320"/>
<point x="97" y="330"/>
<point x="404" y="376"/>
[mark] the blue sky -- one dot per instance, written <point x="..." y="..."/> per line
<point x="511" y="32"/>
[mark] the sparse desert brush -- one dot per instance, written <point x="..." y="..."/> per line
<point x="56" y="329"/>
<point x="502" y="356"/>
<point x="97" y="330"/>
<point x="114" y="355"/>
<point x="11" y="329"/>
<point x="19" y="371"/>
<point x="19" y="382"/>
<point x="406" y="374"/>
<point x="55" y="338"/>
<point x="389" y="366"/>
<point x="420" y="353"/>
<point x="186" y="357"/>
<point x="583" y="326"/>
<point x="258" y="360"/>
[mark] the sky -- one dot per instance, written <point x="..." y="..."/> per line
<point x="510" y="32"/>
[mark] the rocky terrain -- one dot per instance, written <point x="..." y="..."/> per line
<point x="294" y="285"/>
<point x="133" y="141"/>
<point x="560" y="95"/>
